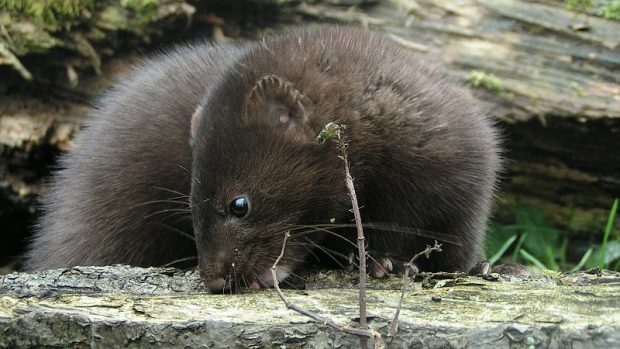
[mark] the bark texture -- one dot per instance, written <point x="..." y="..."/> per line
<point x="105" y="307"/>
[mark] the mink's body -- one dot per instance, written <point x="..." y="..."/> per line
<point x="422" y="155"/>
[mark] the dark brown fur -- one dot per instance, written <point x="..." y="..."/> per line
<point x="422" y="155"/>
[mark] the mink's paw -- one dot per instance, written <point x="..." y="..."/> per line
<point x="480" y="269"/>
<point x="381" y="267"/>
<point x="519" y="270"/>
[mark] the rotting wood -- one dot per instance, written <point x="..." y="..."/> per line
<point x="104" y="307"/>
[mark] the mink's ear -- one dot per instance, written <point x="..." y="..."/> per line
<point x="194" y="124"/>
<point x="276" y="102"/>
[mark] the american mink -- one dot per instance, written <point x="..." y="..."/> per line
<point x="218" y="143"/>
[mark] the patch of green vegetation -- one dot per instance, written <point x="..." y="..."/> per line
<point x="578" y="5"/>
<point x="141" y="6"/>
<point x="611" y="11"/>
<point x="38" y="26"/>
<point x="51" y="12"/>
<point x="488" y="81"/>
<point x="330" y="130"/>
<point x="609" y="251"/>
<point x="574" y="85"/>
<point x="606" y="9"/>
<point x="531" y="240"/>
<point x="144" y="11"/>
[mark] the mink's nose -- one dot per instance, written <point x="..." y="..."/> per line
<point x="218" y="273"/>
<point x="217" y="284"/>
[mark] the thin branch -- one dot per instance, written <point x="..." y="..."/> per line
<point x="364" y="333"/>
<point x="409" y="266"/>
<point x="361" y="245"/>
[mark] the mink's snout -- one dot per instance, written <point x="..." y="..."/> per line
<point x="218" y="273"/>
<point x="217" y="284"/>
<point x="224" y="274"/>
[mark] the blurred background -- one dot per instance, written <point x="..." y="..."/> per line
<point x="548" y="71"/>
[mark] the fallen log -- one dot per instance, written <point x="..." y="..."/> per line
<point x="119" y="306"/>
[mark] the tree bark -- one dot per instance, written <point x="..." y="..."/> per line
<point x="107" y="307"/>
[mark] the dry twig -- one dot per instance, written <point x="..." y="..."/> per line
<point x="409" y="266"/>
<point x="363" y="333"/>
<point x="361" y="245"/>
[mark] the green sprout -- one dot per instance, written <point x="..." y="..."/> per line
<point x="485" y="80"/>
<point x="331" y="130"/>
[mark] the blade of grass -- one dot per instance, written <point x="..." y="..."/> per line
<point x="518" y="247"/>
<point x="610" y="223"/>
<point x="583" y="260"/>
<point x="550" y="258"/>
<point x="562" y="252"/>
<point x="538" y="264"/>
<point x="502" y="249"/>
<point x="519" y="227"/>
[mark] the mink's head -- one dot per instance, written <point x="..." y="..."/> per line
<point x="257" y="173"/>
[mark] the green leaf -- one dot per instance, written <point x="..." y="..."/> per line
<point x="604" y="258"/>
<point x="538" y="264"/>
<point x="500" y="252"/>
<point x="610" y="223"/>
<point x="584" y="259"/>
<point x="540" y="234"/>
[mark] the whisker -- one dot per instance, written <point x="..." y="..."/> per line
<point x="166" y="201"/>
<point x="294" y="259"/>
<point x="179" y="261"/>
<point x="328" y="253"/>
<point x="297" y="276"/>
<point x="228" y="283"/>
<point x="171" y="191"/>
<point x="311" y="252"/>
<point x="448" y="238"/>
<point x="178" y="231"/>
<point x="319" y="229"/>
<point x="258" y="279"/>
<point x="245" y="282"/>
<point x="179" y="215"/>
<point x="288" y="283"/>
<point x="184" y="210"/>
<point x="182" y="217"/>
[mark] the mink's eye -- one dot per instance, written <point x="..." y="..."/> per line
<point x="240" y="206"/>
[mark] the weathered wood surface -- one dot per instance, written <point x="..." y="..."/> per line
<point x="545" y="67"/>
<point x="105" y="307"/>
